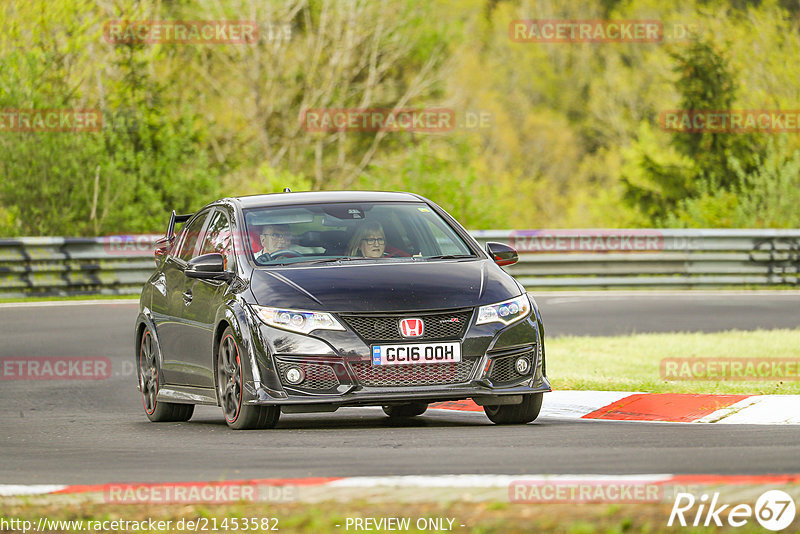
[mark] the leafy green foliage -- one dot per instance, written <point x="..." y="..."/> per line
<point x="438" y="173"/>
<point x="766" y="197"/>
<point x="148" y="159"/>
<point x="572" y="138"/>
<point x="660" y="176"/>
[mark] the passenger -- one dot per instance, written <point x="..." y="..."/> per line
<point x="273" y="237"/>
<point x="369" y="241"/>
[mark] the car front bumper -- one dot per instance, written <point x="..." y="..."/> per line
<point x="341" y="373"/>
<point x="383" y="396"/>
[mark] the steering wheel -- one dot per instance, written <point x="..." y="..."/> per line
<point x="284" y="252"/>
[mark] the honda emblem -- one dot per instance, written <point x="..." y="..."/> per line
<point x="411" y="327"/>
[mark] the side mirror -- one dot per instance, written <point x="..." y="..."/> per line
<point x="502" y="254"/>
<point x="208" y="267"/>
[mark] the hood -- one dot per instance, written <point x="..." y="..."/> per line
<point x="391" y="287"/>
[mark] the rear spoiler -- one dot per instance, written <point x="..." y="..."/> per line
<point x="162" y="245"/>
<point x="176" y="219"/>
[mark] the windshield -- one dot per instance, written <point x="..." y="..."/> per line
<point x="320" y="233"/>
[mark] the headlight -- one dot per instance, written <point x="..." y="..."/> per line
<point x="299" y="321"/>
<point x="506" y="312"/>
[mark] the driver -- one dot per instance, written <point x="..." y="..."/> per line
<point x="273" y="238"/>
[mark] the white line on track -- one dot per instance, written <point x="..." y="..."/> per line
<point x="759" y="410"/>
<point x="56" y="303"/>
<point x="7" y="490"/>
<point x="479" y="481"/>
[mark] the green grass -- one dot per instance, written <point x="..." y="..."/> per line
<point x="632" y="363"/>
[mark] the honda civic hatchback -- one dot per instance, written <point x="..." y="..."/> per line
<point x="314" y="301"/>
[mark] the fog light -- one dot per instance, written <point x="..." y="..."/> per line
<point x="294" y="375"/>
<point x="522" y="365"/>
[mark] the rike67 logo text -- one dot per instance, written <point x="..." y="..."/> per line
<point x="774" y="510"/>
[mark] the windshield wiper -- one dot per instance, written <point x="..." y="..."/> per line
<point x="321" y="260"/>
<point x="449" y="257"/>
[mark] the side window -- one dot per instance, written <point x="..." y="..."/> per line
<point x="446" y="245"/>
<point x="445" y="239"/>
<point x="218" y="236"/>
<point x="192" y="233"/>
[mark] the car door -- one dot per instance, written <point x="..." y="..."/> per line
<point x="169" y="302"/>
<point x="206" y="297"/>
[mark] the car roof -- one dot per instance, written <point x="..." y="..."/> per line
<point x="318" y="197"/>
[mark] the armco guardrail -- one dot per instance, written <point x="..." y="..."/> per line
<point x="652" y="258"/>
<point x="42" y="266"/>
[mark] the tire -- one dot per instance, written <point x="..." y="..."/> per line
<point x="149" y="373"/>
<point x="405" y="410"/>
<point x="239" y="416"/>
<point x="516" y="414"/>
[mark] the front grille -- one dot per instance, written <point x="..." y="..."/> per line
<point x="412" y="375"/>
<point x="503" y="370"/>
<point x="439" y="325"/>
<point x="318" y="377"/>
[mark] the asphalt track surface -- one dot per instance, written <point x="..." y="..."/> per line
<point x="76" y="432"/>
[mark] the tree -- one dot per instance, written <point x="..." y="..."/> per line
<point x="148" y="158"/>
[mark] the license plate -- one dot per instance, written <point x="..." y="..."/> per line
<point x="417" y="353"/>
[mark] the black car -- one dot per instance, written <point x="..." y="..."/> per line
<point x="308" y="302"/>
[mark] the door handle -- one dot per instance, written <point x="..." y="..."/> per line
<point x="187" y="296"/>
